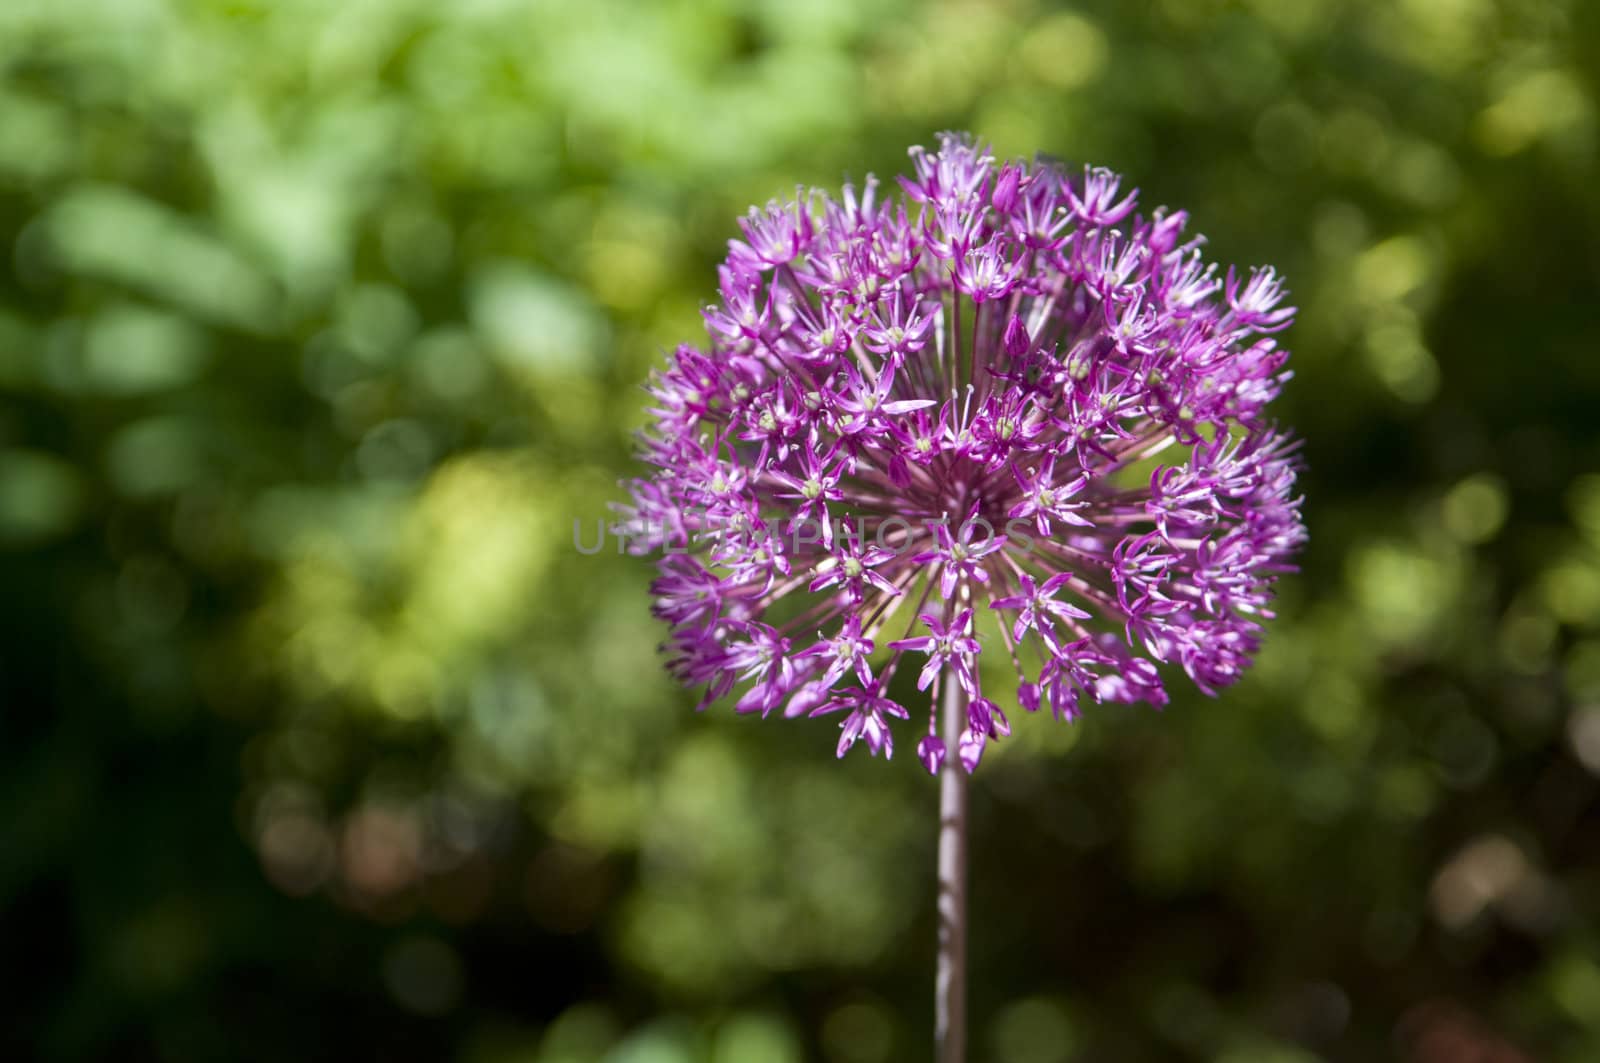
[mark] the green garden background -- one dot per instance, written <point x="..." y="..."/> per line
<point x="322" y="323"/>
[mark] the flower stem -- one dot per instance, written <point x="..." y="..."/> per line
<point x="950" y="977"/>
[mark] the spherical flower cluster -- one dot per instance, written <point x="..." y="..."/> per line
<point x="1005" y="396"/>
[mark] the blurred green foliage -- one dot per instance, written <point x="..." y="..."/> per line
<point x="322" y="324"/>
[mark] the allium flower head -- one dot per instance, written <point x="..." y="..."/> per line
<point x="1005" y="417"/>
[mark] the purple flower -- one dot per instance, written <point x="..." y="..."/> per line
<point x="958" y="557"/>
<point x="868" y="404"/>
<point x="1036" y="606"/>
<point x="1092" y="201"/>
<point x="763" y="657"/>
<point x="776" y="235"/>
<point x="957" y="398"/>
<point x="900" y="327"/>
<point x="845" y="652"/>
<point x="868" y="707"/>
<point x="809" y="489"/>
<point x="1043" y="498"/>
<point x="852" y="569"/>
<point x="951" y="646"/>
<point x="988" y="272"/>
